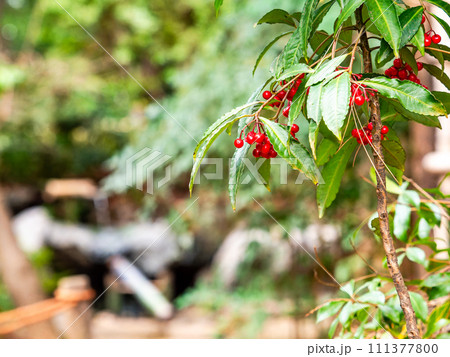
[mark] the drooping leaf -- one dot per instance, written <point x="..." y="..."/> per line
<point x="409" y="58"/>
<point x="276" y="16"/>
<point x="313" y="135"/>
<point x="329" y="309"/>
<point x="332" y="175"/>
<point x="373" y="297"/>
<point x="325" y="70"/>
<point x="384" y="16"/>
<point x="412" y="96"/>
<point x="438" y="74"/>
<point x="410" y="21"/>
<point x="335" y="103"/>
<point x="294" y="153"/>
<point x="419" y="305"/>
<point x="422" y="119"/>
<point x="264" y="171"/>
<point x="384" y="54"/>
<point x="294" y="70"/>
<point x="267" y="48"/>
<point x="217" y="5"/>
<point x="296" y="107"/>
<point x="394" y="154"/>
<point x="313" y="102"/>
<point x="348" y="10"/>
<point x="326" y="149"/>
<point x="345" y="313"/>
<point x="436" y="54"/>
<point x="443" y="23"/>
<point x="210" y="136"/>
<point x="419" y="40"/>
<point x="444" y="98"/>
<point x="296" y="48"/>
<point x="444" y="5"/>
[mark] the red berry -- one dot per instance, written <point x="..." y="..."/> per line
<point x="355" y="133"/>
<point x="259" y="137"/>
<point x="436" y="39"/>
<point x="384" y="130"/>
<point x="266" y="149"/>
<point x="291" y="93"/>
<point x="256" y="153"/>
<point x="402" y="74"/>
<point x="294" y="128"/>
<point x="273" y="153"/>
<point x="251" y="137"/>
<point x="412" y="77"/>
<point x="302" y="76"/>
<point x="267" y="94"/>
<point x="239" y="143"/>
<point x="417" y="80"/>
<point x="286" y="111"/>
<point x="398" y="63"/>
<point x="382" y="137"/>
<point x="408" y="67"/>
<point x="359" y="100"/>
<point x="423" y="19"/>
<point x="281" y="95"/>
<point x="419" y="66"/>
<point x="370" y="126"/>
<point x="427" y="40"/>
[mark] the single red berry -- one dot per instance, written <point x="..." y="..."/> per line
<point x="302" y="76"/>
<point x="384" y="130"/>
<point x="412" y="77"/>
<point x="427" y="40"/>
<point x="239" y="143"/>
<point x="281" y="95"/>
<point x="402" y="74"/>
<point x="408" y="67"/>
<point x="266" y="149"/>
<point x="267" y="94"/>
<point x="424" y="86"/>
<point x="417" y="80"/>
<point x="359" y="100"/>
<point x="256" y="153"/>
<point x="423" y="19"/>
<point x="398" y="63"/>
<point x="436" y="39"/>
<point x="291" y="93"/>
<point x="251" y="137"/>
<point x="273" y="153"/>
<point x="355" y="133"/>
<point x="370" y="126"/>
<point x="294" y="128"/>
<point x="286" y="111"/>
<point x="382" y="137"/>
<point x="419" y="66"/>
<point x="260" y="137"/>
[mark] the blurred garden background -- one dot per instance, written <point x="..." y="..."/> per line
<point x="84" y="86"/>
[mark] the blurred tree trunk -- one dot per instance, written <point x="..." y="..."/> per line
<point x="18" y="275"/>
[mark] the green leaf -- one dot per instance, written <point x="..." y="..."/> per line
<point x="210" y="136"/>
<point x="329" y="309"/>
<point x="277" y="16"/>
<point x="294" y="153"/>
<point x="419" y="305"/>
<point x="424" y="228"/>
<point x="335" y="103"/>
<point x="264" y="171"/>
<point x="402" y="219"/>
<point x="345" y="313"/>
<point x="325" y="70"/>
<point x="412" y="96"/>
<point x="444" y="98"/>
<point x="417" y="255"/>
<point x="436" y="280"/>
<point x="294" y="70"/>
<point x="384" y="16"/>
<point x="410" y="21"/>
<point x="442" y="4"/>
<point x="394" y="155"/>
<point x="409" y="58"/>
<point x="313" y="105"/>
<point x="384" y="54"/>
<point x="373" y="297"/>
<point x="390" y="313"/>
<point x="443" y="23"/>
<point x="422" y="119"/>
<point x="326" y="149"/>
<point x="348" y="10"/>
<point x="319" y="14"/>
<point x="436" y="54"/>
<point x="332" y="175"/>
<point x="313" y="134"/>
<point x="296" y="107"/>
<point x="217" y="5"/>
<point x="438" y="314"/>
<point x="419" y="40"/>
<point x="332" y="328"/>
<point x="438" y="74"/>
<point x="296" y="48"/>
<point x="236" y="170"/>
<point x="264" y="51"/>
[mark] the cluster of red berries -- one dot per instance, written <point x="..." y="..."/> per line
<point x="429" y="38"/>
<point x="360" y="94"/>
<point x="263" y="146"/>
<point x="364" y="135"/>
<point x="283" y="95"/>
<point x="403" y="71"/>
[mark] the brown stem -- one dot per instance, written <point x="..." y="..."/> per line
<point x="388" y="242"/>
